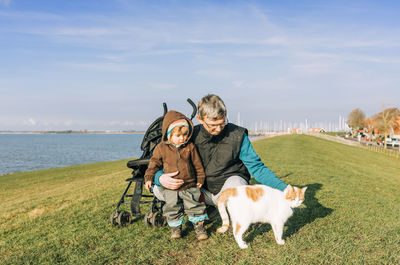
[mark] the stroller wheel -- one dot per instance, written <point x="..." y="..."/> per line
<point x="124" y="218"/>
<point x="147" y="218"/>
<point x="114" y="217"/>
<point x="158" y="219"/>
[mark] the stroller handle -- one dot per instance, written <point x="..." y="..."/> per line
<point x="194" y="108"/>
<point x="165" y="108"/>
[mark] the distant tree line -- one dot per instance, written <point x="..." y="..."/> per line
<point x="384" y="123"/>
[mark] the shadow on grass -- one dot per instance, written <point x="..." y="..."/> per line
<point x="303" y="216"/>
<point x="300" y="217"/>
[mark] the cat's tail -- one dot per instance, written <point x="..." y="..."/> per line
<point x="222" y="199"/>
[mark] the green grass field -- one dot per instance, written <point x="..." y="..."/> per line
<point x="351" y="214"/>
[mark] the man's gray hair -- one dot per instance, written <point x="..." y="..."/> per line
<point x="212" y="106"/>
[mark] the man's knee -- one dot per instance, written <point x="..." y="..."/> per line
<point x="234" y="181"/>
<point x="231" y="182"/>
<point x="157" y="191"/>
<point x="207" y="197"/>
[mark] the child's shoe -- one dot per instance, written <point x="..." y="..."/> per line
<point x="176" y="232"/>
<point x="200" y="231"/>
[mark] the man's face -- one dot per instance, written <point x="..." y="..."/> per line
<point x="213" y="127"/>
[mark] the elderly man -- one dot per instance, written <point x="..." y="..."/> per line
<point x="227" y="155"/>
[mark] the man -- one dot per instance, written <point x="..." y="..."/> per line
<point x="226" y="152"/>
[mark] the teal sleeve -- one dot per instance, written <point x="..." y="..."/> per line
<point x="156" y="180"/>
<point x="256" y="167"/>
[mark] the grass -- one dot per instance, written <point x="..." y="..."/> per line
<point x="334" y="133"/>
<point x="351" y="214"/>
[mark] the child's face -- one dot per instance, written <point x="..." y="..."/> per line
<point x="178" y="138"/>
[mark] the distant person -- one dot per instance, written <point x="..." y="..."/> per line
<point x="176" y="154"/>
<point x="226" y="153"/>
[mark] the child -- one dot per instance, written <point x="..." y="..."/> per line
<point x="176" y="154"/>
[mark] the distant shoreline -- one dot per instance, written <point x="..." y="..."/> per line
<point x="72" y="132"/>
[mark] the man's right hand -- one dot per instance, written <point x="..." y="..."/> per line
<point x="170" y="183"/>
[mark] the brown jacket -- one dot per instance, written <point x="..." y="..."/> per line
<point x="184" y="158"/>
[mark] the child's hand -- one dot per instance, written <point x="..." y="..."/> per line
<point x="147" y="185"/>
<point x="199" y="185"/>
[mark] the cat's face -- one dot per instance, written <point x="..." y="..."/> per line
<point x="294" y="195"/>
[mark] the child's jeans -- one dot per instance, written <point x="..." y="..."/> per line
<point x="179" y="202"/>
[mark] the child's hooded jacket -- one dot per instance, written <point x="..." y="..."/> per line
<point x="184" y="158"/>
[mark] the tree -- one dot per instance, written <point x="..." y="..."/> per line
<point x="356" y="120"/>
<point x="387" y="119"/>
<point x="369" y="125"/>
<point x="396" y="124"/>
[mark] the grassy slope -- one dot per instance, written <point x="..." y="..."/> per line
<point x="352" y="214"/>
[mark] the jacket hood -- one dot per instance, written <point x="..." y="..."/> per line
<point x="172" y="116"/>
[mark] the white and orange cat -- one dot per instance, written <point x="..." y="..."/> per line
<point x="258" y="203"/>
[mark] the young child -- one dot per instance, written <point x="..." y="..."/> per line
<point x="176" y="154"/>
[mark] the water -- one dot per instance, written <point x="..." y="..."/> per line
<point x="23" y="152"/>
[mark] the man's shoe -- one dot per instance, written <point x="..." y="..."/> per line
<point x="176" y="232"/>
<point x="200" y="231"/>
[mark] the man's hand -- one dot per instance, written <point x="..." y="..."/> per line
<point x="147" y="185"/>
<point x="170" y="183"/>
<point x="199" y="185"/>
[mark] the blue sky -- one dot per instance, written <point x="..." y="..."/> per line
<point x="101" y="65"/>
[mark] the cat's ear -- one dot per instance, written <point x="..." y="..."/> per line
<point x="288" y="189"/>
<point x="303" y="190"/>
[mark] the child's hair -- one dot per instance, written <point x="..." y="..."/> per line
<point x="212" y="106"/>
<point x="183" y="130"/>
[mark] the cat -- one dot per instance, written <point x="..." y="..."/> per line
<point x="258" y="203"/>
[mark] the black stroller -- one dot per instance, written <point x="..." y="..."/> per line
<point x="154" y="217"/>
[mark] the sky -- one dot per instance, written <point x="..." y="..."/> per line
<point x="109" y="65"/>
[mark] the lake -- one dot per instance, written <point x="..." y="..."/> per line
<point x="23" y="152"/>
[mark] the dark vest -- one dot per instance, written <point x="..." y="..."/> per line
<point x="220" y="155"/>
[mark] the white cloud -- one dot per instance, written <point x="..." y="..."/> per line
<point x="30" y="122"/>
<point x="112" y="67"/>
<point x="237" y="83"/>
<point x="29" y="16"/>
<point x="318" y="55"/>
<point x="79" y="32"/>
<point x="375" y="59"/>
<point x="72" y="124"/>
<point x="248" y="41"/>
<point x="143" y="36"/>
<point x="314" y="68"/>
<point x="370" y="43"/>
<point x="123" y="56"/>
<point x="86" y="32"/>
<point x="135" y="123"/>
<point x="274" y="84"/>
<point x="247" y="53"/>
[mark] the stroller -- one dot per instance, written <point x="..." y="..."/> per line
<point x="154" y="217"/>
